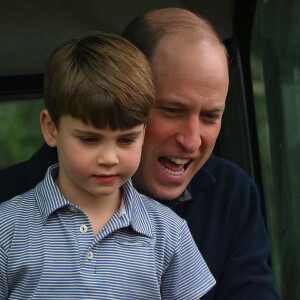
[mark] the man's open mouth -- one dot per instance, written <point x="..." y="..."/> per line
<point x="174" y="165"/>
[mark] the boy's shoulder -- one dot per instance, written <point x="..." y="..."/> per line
<point x="161" y="215"/>
<point x="13" y="205"/>
<point x="13" y="210"/>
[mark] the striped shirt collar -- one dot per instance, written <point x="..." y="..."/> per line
<point x="132" y="209"/>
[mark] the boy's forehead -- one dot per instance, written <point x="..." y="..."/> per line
<point x="78" y="126"/>
<point x="82" y="125"/>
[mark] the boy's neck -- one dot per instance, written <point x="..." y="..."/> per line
<point x="99" y="209"/>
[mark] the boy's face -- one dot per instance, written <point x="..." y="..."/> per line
<point x="94" y="163"/>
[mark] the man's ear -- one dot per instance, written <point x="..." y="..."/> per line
<point x="144" y="131"/>
<point x="48" y="128"/>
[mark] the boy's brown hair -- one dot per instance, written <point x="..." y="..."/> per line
<point x="101" y="79"/>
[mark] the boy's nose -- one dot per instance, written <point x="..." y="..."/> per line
<point x="108" y="157"/>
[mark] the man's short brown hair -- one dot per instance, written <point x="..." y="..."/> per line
<point x="101" y="79"/>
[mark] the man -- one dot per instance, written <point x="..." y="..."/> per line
<point x="222" y="206"/>
<point x="189" y="63"/>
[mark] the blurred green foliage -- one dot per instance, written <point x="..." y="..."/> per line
<point x="275" y="61"/>
<point x="20" y="132"/>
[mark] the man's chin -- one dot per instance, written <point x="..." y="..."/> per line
<point x="169" y="194"/>
<point x="160" y="188"/>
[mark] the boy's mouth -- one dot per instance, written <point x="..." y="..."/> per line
<point x="174" y="165"/>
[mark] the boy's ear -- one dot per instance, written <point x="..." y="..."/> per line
<point x="48" y="128"/>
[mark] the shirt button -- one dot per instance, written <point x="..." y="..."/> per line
<point x="83" y="228"/>
<point x="73" y="209"/>
<point x="90" y="255"/>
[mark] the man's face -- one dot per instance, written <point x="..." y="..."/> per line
<point x="191" y="81"/>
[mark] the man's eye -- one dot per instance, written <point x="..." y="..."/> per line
<point x="170" y="110"/>
<point x="213" y="116"/>
<point x="88" y="140"/>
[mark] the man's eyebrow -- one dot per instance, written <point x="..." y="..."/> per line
<point x="161" y="102"/>
<point x="170" y="102"/>
<point x="217" y="109"/>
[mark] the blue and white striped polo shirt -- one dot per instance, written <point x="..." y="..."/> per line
<point x="48" y="250"/>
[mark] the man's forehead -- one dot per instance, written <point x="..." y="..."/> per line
<point x="172" y="49"/>
<point x="181" y="103"/>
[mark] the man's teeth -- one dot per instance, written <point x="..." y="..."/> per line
<point x="178" y="161"/>
<point x="173" y="172"/>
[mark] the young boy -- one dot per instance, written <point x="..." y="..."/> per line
<point x="84" y="232"/>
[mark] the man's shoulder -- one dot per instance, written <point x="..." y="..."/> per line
<point x="219" y="166"/>
<point x="21" y="177"/>
<point x="221" y="183"/>
<point x="13" y="180"/>
<point x="219" y="172"/>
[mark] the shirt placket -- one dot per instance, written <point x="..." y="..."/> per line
<point x="81" y="227"/>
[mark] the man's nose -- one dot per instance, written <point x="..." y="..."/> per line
<point x="189" y="135"/>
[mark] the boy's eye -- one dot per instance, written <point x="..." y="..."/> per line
<point x="88" y="139"/>
<point x="126" y="141"/>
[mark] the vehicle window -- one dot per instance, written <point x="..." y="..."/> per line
<point x="275" y="63"/>
<point x="34" y="29"/>
<point x="20" y="133"/>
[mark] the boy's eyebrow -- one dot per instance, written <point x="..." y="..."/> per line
<point x="129" y="132"/>
<point x="80" y="131"/>
<point x="132" y="132"/>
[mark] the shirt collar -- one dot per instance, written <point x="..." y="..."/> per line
<point x="135" y="210"/>
<point x="48" y="196"/>
<point x="49" y="199"/>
